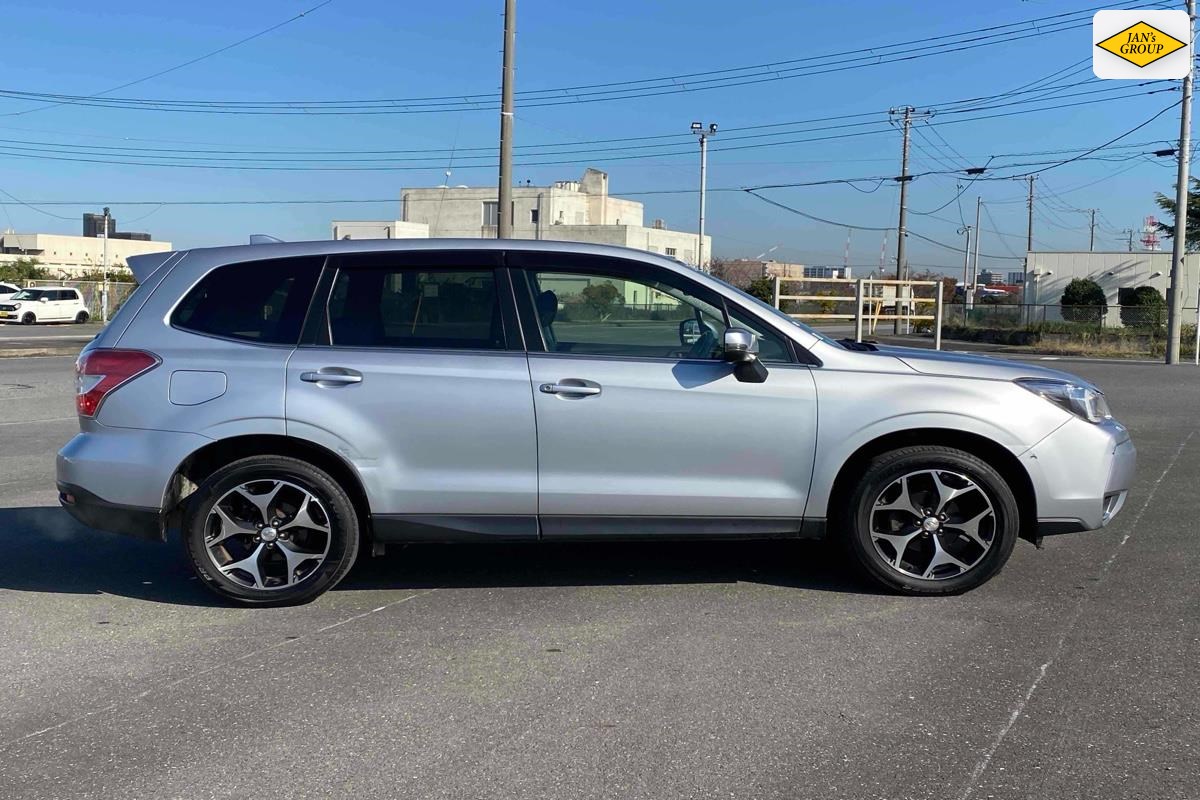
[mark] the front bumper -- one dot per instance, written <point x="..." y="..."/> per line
<point x="1081" y="475"/>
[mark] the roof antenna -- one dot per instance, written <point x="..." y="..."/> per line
<point x="263" y="238"/>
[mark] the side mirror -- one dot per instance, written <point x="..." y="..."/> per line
<point x="739" y="346"/>
<point x="43" y="299"/>
<point x="741" y="350"/>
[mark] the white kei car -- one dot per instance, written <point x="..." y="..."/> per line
<point x="45" y="304"/>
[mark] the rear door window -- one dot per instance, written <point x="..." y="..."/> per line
<point x="257" y="301"/>
<point x="417" y="307"/>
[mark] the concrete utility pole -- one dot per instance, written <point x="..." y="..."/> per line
<point x="1092" y="234"/>
<point x="504" y="221"/>
<point x="1028" y="246"/>
<point x="901" y="228"/>
<point x="104" y="269"/>
<point x="699" y="129"/>
<point x="966" y="266"/>
<point x="1179" y="240"/>
<point x="974" y="279"/>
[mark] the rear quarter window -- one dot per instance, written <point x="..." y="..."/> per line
<point x="255" y="301"/>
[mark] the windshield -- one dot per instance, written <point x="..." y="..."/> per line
<point x="773" y="311"/>
<point x="28" y="294"/>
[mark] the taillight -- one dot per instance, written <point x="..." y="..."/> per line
<point x="99" y="372"/>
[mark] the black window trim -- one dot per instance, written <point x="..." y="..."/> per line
<point x="524" y="262"/>
<point x="316" y="332"/>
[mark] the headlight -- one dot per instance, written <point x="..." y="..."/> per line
<point x="16" y="306"/>
<point x="1082" y="401"/>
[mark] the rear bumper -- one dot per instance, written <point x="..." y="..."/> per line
<point x="1082" y="474"/>
<point x="98" y="513"/>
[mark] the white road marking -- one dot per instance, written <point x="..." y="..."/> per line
<point x="203" y="672"/>
<point x="78" y="337"/>
<point x="1019" y="708"/>
<point x="33" y="421"/>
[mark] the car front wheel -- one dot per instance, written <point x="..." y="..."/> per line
<point x="28" y="318"/>
<point x="270" y="530"/>
<point x="931" y="520"/>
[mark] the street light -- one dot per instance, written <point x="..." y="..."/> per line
<point x="699" y="129"/>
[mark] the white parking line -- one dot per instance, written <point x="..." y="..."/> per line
<point x="33" y="421"/>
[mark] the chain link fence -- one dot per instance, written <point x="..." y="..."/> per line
<point x="93" y="293"/>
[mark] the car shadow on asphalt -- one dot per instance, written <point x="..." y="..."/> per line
<point x="45" y="550"/>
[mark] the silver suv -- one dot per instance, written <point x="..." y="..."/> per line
<point x="288" y="406"/>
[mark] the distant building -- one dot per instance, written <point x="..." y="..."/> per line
<point x="1050" y="272"/>
<point x="1015" y="278"/>
<point x="67" y="256"/>
<point x="570" y="211"/>
<point x="989" y="278"/>
<point x="93" y="225"/>
<point x="827" y="272"/>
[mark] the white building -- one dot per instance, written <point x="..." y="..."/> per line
<point x="1050" y="272"/>
<point x="571" y="211"/>
<point x="68" y="256"/>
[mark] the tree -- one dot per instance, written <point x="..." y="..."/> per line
<point x="601" y="298"/>
<point x="115" y="275"/>
<point x="763" y="289"/>
<point x="1084" y="301"/>
<point x="1142" y="307"/>
<point x="1167" y="204"/>
<point x="739" y="272"/>
<point x="22" y="270"/>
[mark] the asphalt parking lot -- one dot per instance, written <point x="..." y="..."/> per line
<point x="756" y="670"/>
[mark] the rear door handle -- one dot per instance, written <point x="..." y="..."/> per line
<point x="567" y="388"/>
<point x="337" y="376"/>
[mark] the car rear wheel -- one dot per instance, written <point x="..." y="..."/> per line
<point x="931" y="520"/>
<point x="81" y="317"/>
<point x="270" y="530"/>
<point x="28" y="318"/>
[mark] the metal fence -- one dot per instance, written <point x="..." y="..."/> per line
<point x="1015" y="316"/>
<point x="905" y="305"/>
<point x="93" y="294"/>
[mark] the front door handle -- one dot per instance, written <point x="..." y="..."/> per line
<point x="333" y="376"/>
<point x="567" y="388"/>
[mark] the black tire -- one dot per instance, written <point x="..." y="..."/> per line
<point x="343" y="523"/>
<point x="885" y="471"/>
<point x="28" y="318"/>
<point x="81" y="317"/>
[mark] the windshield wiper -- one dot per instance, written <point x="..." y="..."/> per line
<point x="850" y="344"/>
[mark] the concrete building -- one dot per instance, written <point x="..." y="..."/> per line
<point x="1050" y="272"/>
<point x="388" y="229"/>
<point x="569" y="211"/>
<point x="68" y="256"/>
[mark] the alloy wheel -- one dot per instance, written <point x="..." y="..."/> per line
<point x="267" y="534"/>
<point x="933" y="524"/>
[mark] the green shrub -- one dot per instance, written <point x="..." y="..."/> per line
<point x="1142" y="307"/>
<point x="1084" y="301"/>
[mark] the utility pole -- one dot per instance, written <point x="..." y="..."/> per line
<point x="970" y="296"/>
<point x="699" y="129"/>
<point x="901" y="228"/>
<point x="966" y="266"/>
<point x="1092" y="234"/>
<point x="104" y="268"/>
<point x="1179" y="240"/>
<point x="1129" y="244"/>
<point x="1028" y="249"/>
<point x="504" y="221"/>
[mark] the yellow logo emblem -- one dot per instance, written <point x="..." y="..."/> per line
<point x="1141" y="44"/>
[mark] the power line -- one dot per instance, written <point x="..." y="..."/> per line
<point x="690" y="82"/>
<point x="187" y="63"/>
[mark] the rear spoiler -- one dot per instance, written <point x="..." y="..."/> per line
<point x="144" y="266"/>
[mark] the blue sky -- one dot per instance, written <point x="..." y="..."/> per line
<point x="354" y="49"/>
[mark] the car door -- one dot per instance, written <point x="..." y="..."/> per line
<point x="56" y="306"/>
<point x="416" y="373"/>
<point x="642" y="428"/>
